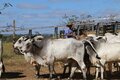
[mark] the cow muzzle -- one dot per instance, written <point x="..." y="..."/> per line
<point x="22" y="51"/>
<point x="16" y="50"/>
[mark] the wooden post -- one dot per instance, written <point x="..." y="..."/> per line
<point x="116" y="27"/>
<point x="56" y="32"/>
<point x="1" y="49"/>
<point x="30" y="33"/>
<point x="14" y="26"/>
<point x="78" y="30"/>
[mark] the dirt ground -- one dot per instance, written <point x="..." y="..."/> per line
<point x="25" y="71"/>
<point x="18" y="69"/>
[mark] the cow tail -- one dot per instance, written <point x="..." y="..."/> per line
<point x="93" y="48"/>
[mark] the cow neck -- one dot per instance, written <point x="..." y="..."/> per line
<point x="36" y="48"/>
<point x="35" y="45"/>
<point x="35" y="52"/>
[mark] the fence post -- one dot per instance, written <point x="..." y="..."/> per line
<point x="1" y="61"/>
<point x="30" y="33"/>
<point x="56" y="32"/>
<point x="1" y="49"/>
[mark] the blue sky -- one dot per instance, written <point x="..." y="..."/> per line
<point x="40" y="13"/>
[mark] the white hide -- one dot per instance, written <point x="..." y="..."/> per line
<point x="112" y="38"/>
<point x="57" y="49"/>
<point x="108" y="51"/>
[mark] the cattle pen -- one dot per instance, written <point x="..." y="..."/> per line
<point x="18" y="69"/>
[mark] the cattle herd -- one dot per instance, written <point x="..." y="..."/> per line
<point x="82" y="54"/>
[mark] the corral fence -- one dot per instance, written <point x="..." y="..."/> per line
<point x="111" y="27"/>
<point x="99" y="28"/>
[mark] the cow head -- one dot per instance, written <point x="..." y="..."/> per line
<point x="18" y="44"/>
<point x="27" y="46"/>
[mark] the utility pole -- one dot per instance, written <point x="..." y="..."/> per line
<point x="14" y="26"/>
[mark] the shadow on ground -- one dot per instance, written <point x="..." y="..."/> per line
<point x="12" y="75"/>
<point x="77" y="76"/>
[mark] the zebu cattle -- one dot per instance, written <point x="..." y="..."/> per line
<point x="18" y="45"/>
<point x="111" y="38"/>
<point x="48" y="51"/>
<point x="107" y="51"/>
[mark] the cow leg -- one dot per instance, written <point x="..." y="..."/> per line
<point x="110" y="67"/>
<point x="83" y="68"/>
<point x="54" y="72"/>
<point x="37" y="68"/>
<point x="65" y="67"/>
<point x="102" y="72"/>
<point x="88" y="71"/>
<point x="97" y="72"/>
<point x="69" y="66"/>
<point x="105" y="72"/>
<point x="51" y="71"/>
<point x="72" y="72"/>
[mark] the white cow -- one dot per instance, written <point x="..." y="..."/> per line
<point x="111" y="38"/>
<point x="107" y="51"/>
<point x="18" y="45"/>
<point x="48" y="51"/>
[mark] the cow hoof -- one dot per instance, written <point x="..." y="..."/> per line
<point x="36" y="76"/>
<point x="69" y="78"/>
<point x="58" y="77"/>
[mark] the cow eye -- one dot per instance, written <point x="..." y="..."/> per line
<point x="19" y="41"/>
<point x="39" y="39"/>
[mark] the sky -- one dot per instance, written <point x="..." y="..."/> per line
<point x="41" y="13"/>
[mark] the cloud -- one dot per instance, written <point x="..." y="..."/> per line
<point x="54" y="14"/>
<point x="32" y="6"/>
<point x="34" y="16"/>
<point x="61" y="13"/>
<point x="51" y="15"/>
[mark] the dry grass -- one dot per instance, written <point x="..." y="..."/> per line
<point x="9" y="55"/>
<point x="15" y="65"/>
